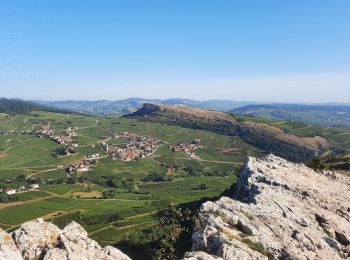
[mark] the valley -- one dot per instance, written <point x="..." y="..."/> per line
<point x="120" y="172"/>
<point x="112" y="195"/>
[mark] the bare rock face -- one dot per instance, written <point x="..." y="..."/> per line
<point x="199" y="255"/>
<point x="34" y="237"/>
<point x="8" y="249"/>
<point x="281" y="210"/>
<point x="38" y="239"/>
<point x="78" y="246"/>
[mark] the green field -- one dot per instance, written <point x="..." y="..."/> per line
<point x="133" y="202"/>
<point x="33" y="157"/>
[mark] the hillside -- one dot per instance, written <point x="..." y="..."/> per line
<point x="329" y="115"/>
<point x="263" y="136"/>
<point x="18" y="106"/>
<point x="125" y="106"/>
<point x="114" y="176"/>
<point x="280" y="210"/>
<point x="337" y="160"/>
<point x="115" y="199"/>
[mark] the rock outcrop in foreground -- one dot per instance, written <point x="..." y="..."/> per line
<point x="281" y="210"/>
<point x="38" y="239"/>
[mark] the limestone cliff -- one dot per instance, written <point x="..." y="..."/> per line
<point x="263" y="136"/>
<point x="281" y="210"/>
<point x="38" y="239"/>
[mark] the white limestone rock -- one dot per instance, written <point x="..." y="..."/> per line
<point x="280" y="209"/>
<point x="56" y="254"/>
<point x="8" y="249"/>
<point x="38" y="239"/>
<point x="78" y="246"/>
<point x="33" y="238"/>
<point x="199" y="255"/>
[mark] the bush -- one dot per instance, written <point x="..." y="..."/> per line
<point x="203" y="186"/>
<point x="115" y="217"/>
<point x="317" y="164"/>
<point x="177" y="225"/>
<point x="4" y="198"/>
<point x="108" y="194"/>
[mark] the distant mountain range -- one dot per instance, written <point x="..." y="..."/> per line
<point x="326" y="114"/>
<point x="329" y="114"/>
<point x="127" y="106"/>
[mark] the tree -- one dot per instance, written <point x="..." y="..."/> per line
<point x="112" y="183"/>
<point x="177" y="225"/>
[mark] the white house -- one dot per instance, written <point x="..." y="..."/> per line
<point x="10" y="192"/>
<point x="34" y="186"/>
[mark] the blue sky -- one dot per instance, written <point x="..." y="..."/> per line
<point x="271" y="50"/>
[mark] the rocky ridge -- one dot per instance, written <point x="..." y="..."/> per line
<point x="280" y="210"/>
<point x="266" y="137"/>
<point x="38" y="239"/>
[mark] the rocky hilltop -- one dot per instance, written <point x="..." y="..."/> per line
<point x="280" y="210"/>
<point x="266" y="137"/>
<point x="181" y="112"/>
<point x="38" y="239"/>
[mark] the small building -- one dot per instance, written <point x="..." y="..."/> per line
<point x="10" y="192"/>
<point x="34" y="186"/>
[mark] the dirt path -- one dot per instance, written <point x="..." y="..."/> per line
<point x="55" y="214"/>
<point x="142" y="215"/>
<point x="125" y="227"/>
<point x="279" y="123"/>
<point x="201" y="160"/>
<point x="39" y="159"/>
<point x="35" y="173"/>
<point x="302" y="128"/>
<point x="238" y="163"/>
<point x="344" y="133"/>
<point x="99" y="230"/>
<point x="85" y="127"/>
<point x="5" y="205"/>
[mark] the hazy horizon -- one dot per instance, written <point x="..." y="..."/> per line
<point x="192" y="99"/>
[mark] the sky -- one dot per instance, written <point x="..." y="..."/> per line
<point x="266" y="51"/>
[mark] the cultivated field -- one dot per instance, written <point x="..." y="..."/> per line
<point x="60" y="201"/>
<point x="87" y="198"/>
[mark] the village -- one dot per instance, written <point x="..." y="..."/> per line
<point x="134" y="146"/>
<point x="84" y="165"/>
<point x="188" y="148"/>
<point x="12" y="191"/>
<point x="46" y="132"/>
